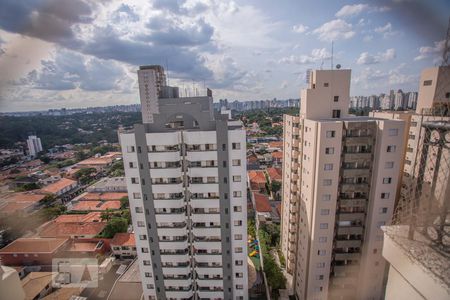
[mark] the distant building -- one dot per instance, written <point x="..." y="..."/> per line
<point x="123" y="245"/>
<point x="10" y="285"/>
<point x="34" y="145"/>
<point x="109" y="184"/>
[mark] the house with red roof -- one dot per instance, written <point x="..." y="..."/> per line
<point x="263" y="208"/>
<point x="123" y="245"/>
<point x="257" y="180"/>
<point x="277" y="158"/>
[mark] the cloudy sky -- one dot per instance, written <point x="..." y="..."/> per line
<point x="79" y="53"/>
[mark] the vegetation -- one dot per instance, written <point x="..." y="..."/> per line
<point x="117" y="169"/>
<point x="124" y="203"/>
<point x="251" y="228"/>
<point x="114" y="225"/>
<point x="85" y="175"/>
<point x="60" y="130"/>
<point x="49" y="213"/>
<point x="269" y="238"/>
<point x="27" y="187"/>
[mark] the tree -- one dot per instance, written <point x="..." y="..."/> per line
<point x="48" y="199"/>
<point x="115" y="225"/>
<point x="275" y="186"/>
<point x="28" y="187"/>
<point x="45" y="159"/>
<point x="52" y="212"/>
<point x="124" y="203"/>
<point x="106" y="215"/>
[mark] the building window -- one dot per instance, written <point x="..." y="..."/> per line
<point x="134" y="180"/>
<point x="144" y="250"/>
<point x="238" y="223"/>
<point x="239" y="287"/>
<point x="237" y="208"/>
<point x="330" y="133"/>
<point x="139" y="210"/>
<point x="385" y="195"/>
<point x="320" y="265"/>
<point x="146" y="263"/>
<point x="329" y="150"/>
<point x="323" y="225"/>
<point x="327" y="182"/>
<point x="237" y="178"/>
<point x="412" y="137"/>
<point x="336" y="113"/>
<point x="148" y="274"/>
<point x="238" y="262"/>
<point x="321" y="252"/>
<point x="238" y="237"/>
<point x="237" y="194"/>
<point x="236" y="162"/>
<point x="130" y="149"/>
<point x="383" y="210"/>
<point x="318" y="289"/>
<point x="236" y="146"/>
<point x="328" y="167"/>
<point x="325" y="84"/>
<point x="140" y="224"/>
<point x="387" y="180"/>
<point x="326" y="197"/>
<point x="238" y="250"/>
<point x="393" y="132"/>
<point x="239" y="275"/>
<point x="136" y="195"/>
<point x="150" y="286"/>
<point x="142" y="237"/>
<point x="389" y="165"/>
<point x="319" y="277"/>
<point x="427" y="82"/>
<point x="391" y="148"/>
<point x="322" y="239"/>
<point x="324" y="212"/>
<point x="336" y="98"/>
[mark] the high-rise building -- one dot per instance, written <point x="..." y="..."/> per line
<point x="340" y="178"/>
<point x="417" y="246"/>
<point x="34" y="145"/>
<point x="399" y="100"/>
<point x="185" y="171"/>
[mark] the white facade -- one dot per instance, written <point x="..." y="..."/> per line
<point x="34" y="145"/>
<point x="196" y="174"/>
<point x="340" y="180"/>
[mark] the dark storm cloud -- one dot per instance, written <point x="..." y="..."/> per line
<point x="425" y="19"/>
<point x="49" y="20"/>
<point x="167" y="32"/>
<point x="69" y="70"/>
<point x="107" y="45"/>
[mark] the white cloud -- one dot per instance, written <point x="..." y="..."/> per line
<point x="356" y="9"/>
<point x="300" y="28"/>
<point x="366" y="59"/>
<point x="386" y="30"/>
<point x="351" y="10"/>
<point x="368" y="38"/>
<point x="334" y="30"/>
<point x="315" y="56"/>
<point x="429" y="51"/>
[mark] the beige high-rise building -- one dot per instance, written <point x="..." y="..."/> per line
<point x="340" y="177"/>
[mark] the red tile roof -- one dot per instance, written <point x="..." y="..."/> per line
<point x="256" y="176"/>
<point x="96" y="205"/>
<point x="275" y="174"/>
<point x="34" y="245"/>
<point x="25" y="197"/>
<point x="104" y="196"/>
<point x="276" y="144"/>
<point x="262" y="203"/>
<point x="277" y="155"/>
<point x="123" y="239"/>
<point x="58" y="186"/>
<point x="72" y="229"/>
<point x="12" y="207"/>
<point x="90" y="217"/>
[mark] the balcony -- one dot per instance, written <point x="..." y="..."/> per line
<point x="207" y="265"/>
<point x="349" y="230"/>
<point x="203" y="211"/>
<point x="347" y="256"/>
<point x="356" y="172"/>
<point x="358" y="140"/>
<point x="172" y="225"/>
<point x="348" y="243"/>
<point x="204" y="252"/>
<point x="207" y="239"/>
<point x="175" y="265"/>
<point x="360" y="202"/>
<point x="199" y="196"/>
<point x="346" y="269"/>
<point x="355" y="187"/>
<point x="174" y="252"/>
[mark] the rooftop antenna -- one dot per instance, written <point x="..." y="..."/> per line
<point x="167" y="69"/>
<point x="446" y="52"/>
<point x="332" y="46"/>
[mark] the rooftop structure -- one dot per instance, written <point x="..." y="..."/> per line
<point x="109" y="184"/>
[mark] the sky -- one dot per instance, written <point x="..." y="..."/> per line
<point x="84" y="53"/>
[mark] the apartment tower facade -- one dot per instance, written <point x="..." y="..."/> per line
<point x="185" y="170"/>
<point x="340" y="177"/>
<point x="34" y="145"/>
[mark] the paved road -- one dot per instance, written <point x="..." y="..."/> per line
<point x="104" y="286"/>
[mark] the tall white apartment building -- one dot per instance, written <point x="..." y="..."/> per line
<point x="185" y="170"/>
<point x="340" y="177"/>
<point x="34" y="145"/>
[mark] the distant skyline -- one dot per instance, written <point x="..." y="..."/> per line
<point x="80" y="53"/>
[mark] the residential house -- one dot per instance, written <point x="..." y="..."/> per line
<point x="123" y="245"/>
